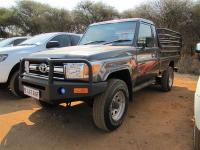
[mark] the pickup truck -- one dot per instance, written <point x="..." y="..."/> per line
<point x="113" y="60"/>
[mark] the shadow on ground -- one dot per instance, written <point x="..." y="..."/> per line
<point x="153" y="122"/>
<point x="10" y="103"/>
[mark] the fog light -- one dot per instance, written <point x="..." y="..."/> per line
<point x="62" y="91"/>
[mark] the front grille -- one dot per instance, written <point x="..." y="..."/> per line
<point x="34" y="70"/>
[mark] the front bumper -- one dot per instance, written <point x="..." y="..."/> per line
<point x="49" y="88"/>
<point x="50" y="93"/>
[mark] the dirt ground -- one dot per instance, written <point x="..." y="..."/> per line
<point x="155" y="121"/>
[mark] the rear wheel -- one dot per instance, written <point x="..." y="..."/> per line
<point x="110" y="107"/>
<point x="196" y="138"/>
<point x="14" y="85"/>
<point x="167" y="79"/>
<point x="90" y="102"/>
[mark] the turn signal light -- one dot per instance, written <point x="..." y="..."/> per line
<point x="95" y="69"/>
<point x="81" y="90"/>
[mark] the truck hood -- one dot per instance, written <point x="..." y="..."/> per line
<point x="8" y="50"/>
<point x="89" y="52"/>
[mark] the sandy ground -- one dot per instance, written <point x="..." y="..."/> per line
<point x="155" y="121"/>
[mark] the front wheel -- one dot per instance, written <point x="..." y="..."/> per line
<point x="110" y="107"/>
<point x="14" y="85"/>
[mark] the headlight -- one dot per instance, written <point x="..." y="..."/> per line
<point x="3" y="57"/>
<point x="26" y="66"/>
<point x="79" y="70"/>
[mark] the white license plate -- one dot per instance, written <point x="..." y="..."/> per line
<point x="32" y="92"/>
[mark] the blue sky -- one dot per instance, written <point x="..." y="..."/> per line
<point x="120" y="5"/>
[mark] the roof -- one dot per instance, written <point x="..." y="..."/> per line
<point x="124" y="20"/>
<point x="20" y="37"/>
<point x="57" y="33"/>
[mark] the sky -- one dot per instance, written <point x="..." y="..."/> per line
<point x="120" y="5"/>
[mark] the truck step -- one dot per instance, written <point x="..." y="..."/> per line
<point x="141" y="86"/>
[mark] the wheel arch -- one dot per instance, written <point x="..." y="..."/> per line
<point x="125" y="76"/>
<point x="13" y="70"/>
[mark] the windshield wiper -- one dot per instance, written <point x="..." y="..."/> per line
<point x="92" y="42"/>
<point x="115" y="41"/>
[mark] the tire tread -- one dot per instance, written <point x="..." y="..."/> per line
<point x="99" y="103"/>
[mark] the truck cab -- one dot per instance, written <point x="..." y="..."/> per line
<point x="113" y="59"/>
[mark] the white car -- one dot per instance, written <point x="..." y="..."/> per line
<point x="10" y="56"/>
<point x="197" y="112"/>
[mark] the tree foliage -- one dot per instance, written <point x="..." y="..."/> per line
<point x="31" y="18"/>
<point x="34" y="18"/>
<point x="88" y="12"/>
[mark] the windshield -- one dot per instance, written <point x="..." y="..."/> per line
<point x="122" y="33"/>
<point x="38" y="39"/>
<point x="6" y="42"/>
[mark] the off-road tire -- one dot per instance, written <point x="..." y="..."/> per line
<point x="165" y="79"/>
<point x="14" y="85"/>
<point x="101" y="106"/>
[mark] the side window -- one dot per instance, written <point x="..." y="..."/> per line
<point x="145" y="37"/>
<point x="11" y="43"/>
<point x="75" y="39"/>
<point x="18" y="41"/>
<point x="63" y="40"/>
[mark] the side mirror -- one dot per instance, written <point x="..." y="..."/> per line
<point x="198" y="48"/>
<point x="149" y="42"/>
<point x="53" y="44"/>
<point x="141" y="43"/>
<point x="146" y="42"/>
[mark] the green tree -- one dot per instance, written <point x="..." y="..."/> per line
<point x="87" y="12"/>
<point x="7" y="21"/>
<point x="35" y="18"/>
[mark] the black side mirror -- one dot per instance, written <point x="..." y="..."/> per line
<point x="53" y="44"/>
<point x="149" y="42"/>
<point x="198" y="48"/>
<point x="141" y="43"/>
<point x="146" y="42"/>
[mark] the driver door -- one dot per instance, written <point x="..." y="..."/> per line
<point x="147" y="53"/>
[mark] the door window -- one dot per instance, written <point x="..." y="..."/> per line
<point x="63" y="40"/>
<point x="18" y="41"/>
<point x="145" y="36"/>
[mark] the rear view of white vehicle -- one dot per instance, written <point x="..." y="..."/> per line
<point x="10" y="56"/>
<point x="197" y="112"/>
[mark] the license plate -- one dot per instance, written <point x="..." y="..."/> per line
<point x="32" y="92"/>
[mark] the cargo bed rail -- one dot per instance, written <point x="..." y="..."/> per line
<point x="169" y="40"/>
